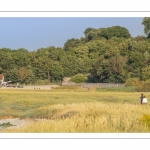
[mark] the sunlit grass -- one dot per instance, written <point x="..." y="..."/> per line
<point x="90" y="117"/>
<point x="76" y="111"/>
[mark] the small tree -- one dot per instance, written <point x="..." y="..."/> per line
<point x="23" y="74"/>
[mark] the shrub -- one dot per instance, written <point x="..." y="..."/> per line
<point x="132" y="82"/>
<point x="144" y="86"/>
<point x="5" y="125"/>
<point x="78" y="79"/>
<point x="145" y="119"/>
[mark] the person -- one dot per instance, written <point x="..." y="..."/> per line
<point x="144" y="100"/>
<point x="141" y="98"/>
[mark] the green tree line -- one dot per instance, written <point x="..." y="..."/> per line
<point x="104" y="55"/>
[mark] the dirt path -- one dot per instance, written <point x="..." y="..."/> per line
<point x="41" y="87"/>
<point x="16" y="122"/>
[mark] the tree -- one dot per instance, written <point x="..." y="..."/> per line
<point x="1" y="70"/>
<point x="116" y="31"/>
<point x="54" y="53"/>
<point x="146" y="73"/>
<point x="20" y="57"/>
<point x="84" y="65"/>
<point x="81" y="51"/>
<point x="101" y="69"/>
<point x="69" y="64"/>
<point x="12" y="75"/>
<point x="23" y="74"/>
<point x="118" y="68"/>
<point x="73" y="43"/>
<point x="87" y="30"/>
<point x="92" y="35"/>
<point x="45" y="63"/>
<point x="57" y="73"/>
<point x="146" y="23"/>
<point x="6" y="59"/>
<point x="97" y="48"/>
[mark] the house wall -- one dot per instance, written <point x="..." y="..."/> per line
<point x="1" y="79"/>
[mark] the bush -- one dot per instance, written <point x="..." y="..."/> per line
<point x="132" y="82"/>
<point x="145" y="119"/>
<point x="144" y="86"/>
<point x="78" y="79"/>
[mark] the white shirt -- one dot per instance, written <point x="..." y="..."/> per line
<point x="145" y="100"/>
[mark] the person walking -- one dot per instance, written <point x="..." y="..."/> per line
<point x="144" y="100"/>
<point x="141" y="98"/>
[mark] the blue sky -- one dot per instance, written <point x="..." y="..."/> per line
<point x="35" y="33"/>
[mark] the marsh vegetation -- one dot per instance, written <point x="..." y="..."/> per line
<point x="75" y="110"/>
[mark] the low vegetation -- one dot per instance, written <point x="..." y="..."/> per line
<point x="79" y="79"/>
<point x="76" y="110"/>
<point x="5" y="125"/>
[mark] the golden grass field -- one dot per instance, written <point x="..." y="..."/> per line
<point x="75" y="110"/>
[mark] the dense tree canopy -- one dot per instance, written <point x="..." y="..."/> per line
<point x="104" y="55"/>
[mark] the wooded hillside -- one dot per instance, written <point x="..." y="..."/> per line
<point x="103" y="55"/>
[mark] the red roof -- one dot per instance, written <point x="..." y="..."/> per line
<point x="1" y="76"/>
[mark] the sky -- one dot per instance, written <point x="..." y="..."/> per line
<point x="34" y="33"/>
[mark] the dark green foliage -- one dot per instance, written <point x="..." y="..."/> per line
<point x="106" y="54"/>
<point x="88" y="30"/>
<point x="1" y="70"/>
<point x="146" y="23"/>
<point x="110" y="70"/>
<point x="12" y="75"/>
<point x="84" y="65"/>
<point x="115" y="31"/>
<point x="73" y="43"/>
<point x="69" y="64"/>
<point x="57" y="72"/>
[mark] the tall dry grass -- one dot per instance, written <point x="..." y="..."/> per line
<point x="76" y="110"/>
<point x="90" y="117"/>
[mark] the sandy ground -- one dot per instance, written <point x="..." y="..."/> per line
<point x="39" y="87"/>
<point x="15" y="122"/>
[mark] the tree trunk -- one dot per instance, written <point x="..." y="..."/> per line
<point x="48" y="75"/>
